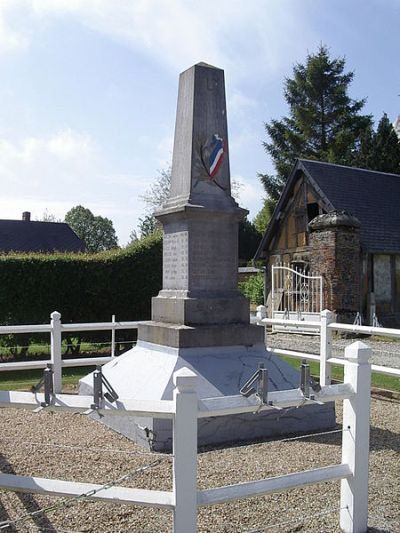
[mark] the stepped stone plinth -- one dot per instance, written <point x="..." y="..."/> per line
<point x="199" y="318"/>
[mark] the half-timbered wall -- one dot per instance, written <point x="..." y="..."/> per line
<point x="379" y="281"/>
<point x="291" y="243"/>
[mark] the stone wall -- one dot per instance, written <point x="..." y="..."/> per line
<point x="335" y="253"/>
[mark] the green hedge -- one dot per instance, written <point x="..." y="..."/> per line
<point x="82" y="287"/>
<point x="253" y="288"/>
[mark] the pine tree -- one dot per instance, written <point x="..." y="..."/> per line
<point x="380" y="149"/>
<point x="324" y="123"/>
<point x="386" y="148"/>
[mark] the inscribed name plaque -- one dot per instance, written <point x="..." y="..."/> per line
<point x="212" y="260"/>
<point x="175" y="260"/>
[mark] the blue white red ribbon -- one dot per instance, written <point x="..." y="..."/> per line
<point x="217" y="154"/>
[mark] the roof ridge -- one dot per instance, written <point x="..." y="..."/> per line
<point x="346" y="166"/>
<point x="30" y="221"/>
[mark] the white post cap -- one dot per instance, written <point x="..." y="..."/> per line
<point x="185" y="380"/>
<point x="261" y="312"/>
<point x="358" y="351"/>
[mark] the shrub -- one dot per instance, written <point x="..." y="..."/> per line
<point x="82" y="287"/>
<point x="253" y="288"/>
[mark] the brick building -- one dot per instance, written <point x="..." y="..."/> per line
<point x="343" y="223"/>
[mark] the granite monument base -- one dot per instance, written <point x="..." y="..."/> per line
<point x="146" y="373"/>
<point x="209" y="335"/>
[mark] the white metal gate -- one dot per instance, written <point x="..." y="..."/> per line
<point x="295" y="295"/>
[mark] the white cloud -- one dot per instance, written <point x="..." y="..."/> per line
<point x="68" y="144"/>
<point x="10" y="39"/>
<point x="36" y="162"/>
<point x="46" y="165"/>
<point x="243" y="138"/>
<point x="250" y="194"/>
<point x="247" y="41"/>
<point x="164" y="150"/>
<point x="62" y="170"/>
<point x="239" y="104"/>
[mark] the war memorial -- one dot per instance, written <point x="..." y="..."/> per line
<point x="200" y="319"/>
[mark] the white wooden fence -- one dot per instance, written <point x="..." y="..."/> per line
<point x="326" y="325"/>
<point x="56" y="328"/>
<point x="185" y="409"/>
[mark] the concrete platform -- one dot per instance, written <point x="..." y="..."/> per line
<point x="146" y="371"/>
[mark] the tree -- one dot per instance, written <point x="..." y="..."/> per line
<point x="154" y="198"/>
<point x="263" y="217"/>
<point x="158" y="192"/>
<point x="97" y="232"/>
<point x="249" y="239"/>
<point x="157" y="195"/>
<point x="380" y="149"/>
<point x="149" y="225"/>
<point x="324" y="123"/>
<point x="48" y="217"/>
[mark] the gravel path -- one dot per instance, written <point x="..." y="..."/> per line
<point x="27" y="447"/>
<point x="386" y="353"/>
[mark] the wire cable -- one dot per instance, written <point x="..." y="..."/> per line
<point x="68" y="502"/>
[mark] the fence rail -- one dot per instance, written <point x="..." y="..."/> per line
<point x="185" y="409"/>
<point x="56" y="328"/>
<point x="326" y="326"/>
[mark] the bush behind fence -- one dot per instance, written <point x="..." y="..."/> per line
<point x="82" y="287"/>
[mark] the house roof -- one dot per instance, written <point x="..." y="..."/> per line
<point x="372" y="197"/>
<point x="32" y="236"/>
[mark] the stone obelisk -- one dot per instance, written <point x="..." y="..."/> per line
<point x="199" y="318"/>
<point x="200" y="304"/>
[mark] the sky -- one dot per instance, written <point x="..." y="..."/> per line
<point x="88" y="89"/>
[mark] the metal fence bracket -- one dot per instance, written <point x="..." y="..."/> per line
<point x="308" y="385"/>
<point x="98" y="381"/>
<point x="47" y="383"/>
<point x="260" y="381"/>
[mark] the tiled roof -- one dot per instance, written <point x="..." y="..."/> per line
<point x="373" y="197"/>
<point x="32" y="236"/>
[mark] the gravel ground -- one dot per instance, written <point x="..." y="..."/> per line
<point x="386" y="353"/>
<point x="27" y="447"/>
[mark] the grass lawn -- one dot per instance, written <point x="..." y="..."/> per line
<point x="380" y="381"/>
<point x="24" y="379"/>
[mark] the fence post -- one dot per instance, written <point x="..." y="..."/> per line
<point x="55" y="350"/>
<point x="261" y="312"/>
<point x="185" y="451"/>
<point x="113" y="336"/>
<point x="327" y="317"/>
<point x="355" y="441"/>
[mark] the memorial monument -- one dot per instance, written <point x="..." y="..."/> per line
<point x="199" y="318"/>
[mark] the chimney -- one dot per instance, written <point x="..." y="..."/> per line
<point x="26" y="216"/>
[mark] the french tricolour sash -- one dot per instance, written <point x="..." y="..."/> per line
<point x="217" y="155"/>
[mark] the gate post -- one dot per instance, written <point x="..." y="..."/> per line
<point x="355" y="440"/>
<point x="185" y="451"/>
<point x="327" y="317"/>
<point x="55" y="350"/>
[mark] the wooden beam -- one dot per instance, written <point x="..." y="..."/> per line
<point x="77" y="403"/>
<point x="73" y="489"/>
<point x="273" y="484"/>
<point x="231" y="405"/>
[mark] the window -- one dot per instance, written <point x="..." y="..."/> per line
<point x="312" y="211"/>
